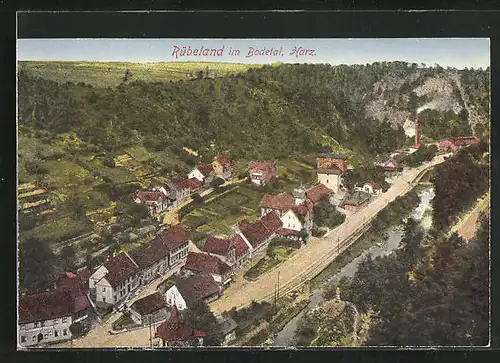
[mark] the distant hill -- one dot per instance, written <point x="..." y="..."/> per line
<point x="111" y="74"/>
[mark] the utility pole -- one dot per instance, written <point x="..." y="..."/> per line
<point x="150" y="337"/>
<point x="338" y="245"/>
<point x="278" y="294"/>
<point x="274" y="294"/>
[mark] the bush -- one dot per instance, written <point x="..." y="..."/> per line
<point x="316" y="232"/>
<point x="326" y="214"/>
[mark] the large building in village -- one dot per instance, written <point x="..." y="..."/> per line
<point x="331" y="168"/>
<point x="117" y="278"/>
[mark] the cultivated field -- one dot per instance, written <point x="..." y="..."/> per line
<point x="111" y="74"/>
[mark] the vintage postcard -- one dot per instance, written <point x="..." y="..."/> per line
<point x="253" y="192"/>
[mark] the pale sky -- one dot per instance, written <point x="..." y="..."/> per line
<point x="453" y="52"/>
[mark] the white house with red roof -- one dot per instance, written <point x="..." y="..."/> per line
<point x="330" y="169"/>
<point x="261" y="173"/>
<point x="121" y="275"/>
<point x="294" y="209"/>
<point x="203" y="172"/>
<point x="223" y="167"/>
<point x="259" y="233"/>
<point x="46" y="317"/>
<point x="155" y="200"/>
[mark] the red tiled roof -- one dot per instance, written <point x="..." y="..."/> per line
<point x="374" y="185"/>
<point x="120" y="268"/>
<point x="271" y="221"/>
<point x="240" y="245"/>
<point x="149" y="196"/>
<point x="282" y="202"/>
<point x="173" y="237"/>
<point x="205" y="169"/>
<point x="285" y="202"/>
<point x="193" y="183"/>
<point x="180" y="183"/>
<point x="172" y="331"/>
<point x="147" y="255"/>
<point x="51" y="305"/>
<point x="149" y="304"/>
<point x="219" y="246"/>
<point x="203" y="262"/>
<point x="259" y="231"/>
<point x="268" y="170"/>
<point x="462" y="140"/>
<point x="318" y="192"/>
<point x="224" y="161"/>
<point x="287" y="232"/>
<point x="197" y="287"/>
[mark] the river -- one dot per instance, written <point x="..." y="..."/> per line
<point x="422" y="213"/>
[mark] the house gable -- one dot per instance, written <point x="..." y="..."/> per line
<point x="291" y="221"/>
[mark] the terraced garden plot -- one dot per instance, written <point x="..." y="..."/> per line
<point x="64" y="174"/>
<point x="219" y="215"/>
<point x="58" y="230"/>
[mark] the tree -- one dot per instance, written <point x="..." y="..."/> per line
<point x="127" y="76"/>
<point x="326" y="214"/>
<point x="199" y="316"/>
<point x="67" y="257"/>
<point x="36" y="265"/>
<point x="76" y="206"/>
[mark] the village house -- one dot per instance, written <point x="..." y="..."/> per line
<point x="259" y="233"/>
<point x="223" y="167"/>
<point x="331" y="168"/>
<point x="172" y="334"/>
<point x="227" y="327"/>
<point x="210" y="264"/>
<point x="242" y="252"/>
<point x="203" y="172"/>
<point x="261" y="173"/>
<point x="355" y="201"/>
<point x="46" y="317"/>
<point x="391" y="165"/>
<point x="370" y="188"/>
<point x="180" y="189"/>
<point x="155" y="200"/>
<point x="294" y="209"/>
<point x="223" y="248"/>
<point x="149" y="309"/>
<point x="114" y="281"/>
<point x="458" y="142"/>
<point x="122" y="274"/>
<point x="189" y="290"/>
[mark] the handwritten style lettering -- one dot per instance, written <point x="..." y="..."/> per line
<point x="299" y="51"/>
<point x="203" y="52"/>
<point x="264" y="52"/>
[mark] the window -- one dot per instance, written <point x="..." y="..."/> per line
<point x="42" y="323"/>
<point x="56" y="321"/>
<point x="56" y="333"/>
<point x="104" y="299"/>
<point x="65" y="332"/>
<point x="50" y="333"/>
<point x="36" y="325"/>
<point x="46" y="336"/>
<point x="23" y="339"/>
<point x="103" y="289"/>
<point x="33" y="338"/>
<point x="64" y="320"/>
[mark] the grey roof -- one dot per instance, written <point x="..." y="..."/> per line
<point x="333" y="155"/>
<point x="226" y="324"/>
<point x="356" y="198"/>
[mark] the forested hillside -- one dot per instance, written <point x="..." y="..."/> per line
<point x="266" y="112"/>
